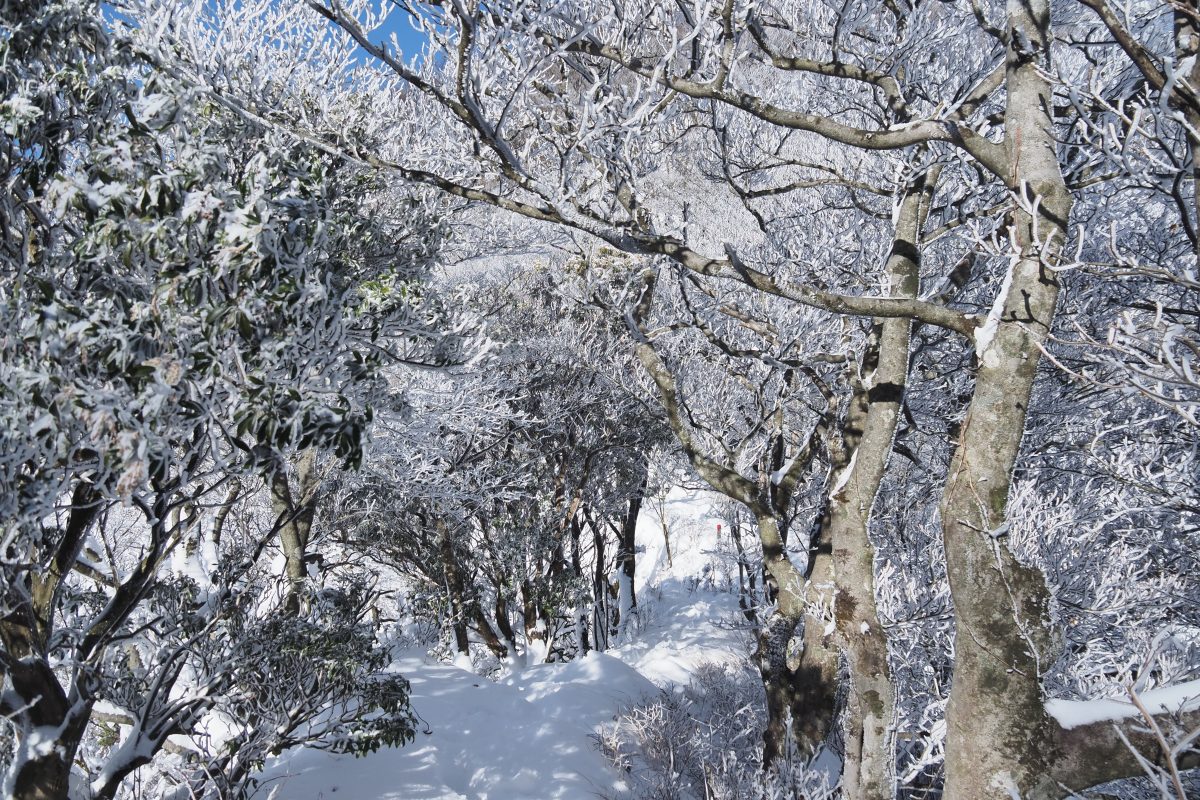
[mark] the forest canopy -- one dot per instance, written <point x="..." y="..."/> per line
<point x="313" y="349"/>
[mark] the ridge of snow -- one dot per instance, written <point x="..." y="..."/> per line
<point x="1165" y="699"/>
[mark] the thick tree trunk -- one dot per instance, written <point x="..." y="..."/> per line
<point x="1000" y="741"/>
<point x="869" y="758"/>
<point x="486" y="632"/>
<point x="36" y="701"/>
<point x="1100" y="752"/>
<point x="44" y="778"/>
<point x="815" y="677"/>
<point x="503" y="624"/>
<point x="44" y="706"/>
<point x="1187" y="47"/>
<point x="779" y="661"/>
<point x="797" y="661"/>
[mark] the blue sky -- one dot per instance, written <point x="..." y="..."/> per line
<point x="410" y="41"/>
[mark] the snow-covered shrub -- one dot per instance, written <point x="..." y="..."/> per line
<point x="318" y="680"/>
<point x="793" y="779"/>
<point x="704" y="740"/>
<point x="231" y="681"/>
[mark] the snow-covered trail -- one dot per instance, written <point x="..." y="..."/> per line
<point x="530" y="735"/>
<point x="526" y="737"/>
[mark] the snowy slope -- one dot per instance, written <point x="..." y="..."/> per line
<point x="530" y="734"/>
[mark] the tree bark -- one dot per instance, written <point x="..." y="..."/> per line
<point x="747" y="582"/>
<point x="627" y="549"/>
<point x="46" y="775"/>
<point x="1187" y="47"/>
<point x="666" y="539"/>
<point x="218" y="526"/>
<point x="535" y="629"/>
<point x="815" y="677"/>
<point x="297" y="516"/>
<point x="38" y="700"/>
<point x="796" y="686"/>
<point x="869" y="772"/>
<point x="1000" y="741"/>
<point x="503" y="624"/>
<point x="1096" y="753"/>
<point x="486" y="632"/>
<point x="869" y="758"/>
<point x="455" y="593"/>
<point x="601" y="618"/>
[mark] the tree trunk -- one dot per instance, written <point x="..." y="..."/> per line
<point x="778" y="659"/>
<point x="869" y="757"/>
<point x="503" y="624"/>
<point x="869" y="772"/>
<point x="1100" y="752"/>
<point x="218" y="526"/>
<point x="295" y="514"/>
<point x="1000" y="741"/>
<point x="36" y="701"/>
<point x="535" y="630"/>
<point x="486" y="632"/>
<point x="582" y="639"/>
<point x="44" y="778"/>
<point x="45" y="707"/>
<point x="455" y="593"/>
<point x="799" y="680"/>
<point x="815" y="677"/>
<point x="1187" y="46"/>
<point x="747" y="580"/>
<point x="627" y="553"/>
<point x="601" y="618"/>
<point x="667" y="539"/>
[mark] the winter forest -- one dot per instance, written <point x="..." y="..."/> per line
<point x="620" y="399"/>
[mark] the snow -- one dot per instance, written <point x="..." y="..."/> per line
<point x="480" y="740"/>
<point x="778" y="475"/>
<point x="531" y="733"/>
<point x="844" y="476"/>
<point x="1074" y="713"/>
<point x="986" y="332"/>
<point x="134" y="747"/>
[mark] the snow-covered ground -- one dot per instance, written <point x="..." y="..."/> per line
<point x="530" y="735"/>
